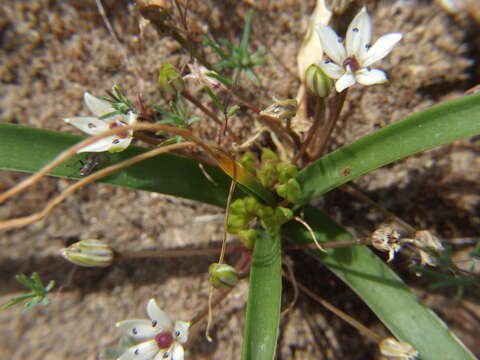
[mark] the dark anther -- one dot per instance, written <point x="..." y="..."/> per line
<point x="154" y="323"/>
<point x="116" y="141"/>
<point x="177" y="333"/>
<point x="136" y="352"/>
<point x="355" y="29"/>
<point x="134" y="331"/>
<point x="90" y="125"/>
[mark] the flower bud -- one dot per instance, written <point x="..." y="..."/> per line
<point x="89" y="253"/>
<point x="169" y="80"/>
<point x="391" y="348"/>
<point x="317" y="82"/>
<point x="223" y="276"/>
<point x="236" y="223"/>
<point x="283" y="215"/>
<point x="247" y="237"/>
<point x="281" y="109"/>
<point x="429" y="247"/>
<point x="286" y="172"/>
<point x="290" y="191"/>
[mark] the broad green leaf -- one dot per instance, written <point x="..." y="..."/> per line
<point x="382" y="290"/>
<point x="427" y="129"/>
<point x="264" y="299"/>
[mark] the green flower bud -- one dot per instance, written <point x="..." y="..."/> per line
<point x="268" y="154"/>
<point x="248" y="162"/>
<point x="89" y="253"/>
<point x="268" y="174"/>
<point x="237" y="207"/>
<point x="247" y="237"/>
<point x="169" y="80"/>
<point x="283" y="215"/>
<point x="223" y="276"/>
<point x="251" y="205"/>
<point x="290" y="191"/>
<point x="286" y="172"/>
<point x="236" y="223"/>
<point x="317" y="82"/>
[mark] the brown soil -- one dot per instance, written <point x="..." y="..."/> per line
<point x="53" y="51"/>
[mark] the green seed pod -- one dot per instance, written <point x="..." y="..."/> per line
<point x="89" y="253"/>
<point x="251" y="205"/>
<point x="317" y="82"/>
<point x="169" y="80"/>
<point x="223" y="276"/>
<point x="286" y="172"/>
<point x="248" y="162"/>
<point x="290" y="191"/>
<point x="236" y="223"/>
<point x="247" y="237"/>
<point x="283" y="215"/>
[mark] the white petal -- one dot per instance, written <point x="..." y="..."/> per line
<point x="176" y="351"/>
<point x="138" y="329"/>
<point x="97" y="106"/>
<point x="380" y="49"/>
<point x="370" y="76"/>
<point x="89" y="125"/>
<point x="143" y="351"/>
<point x="180" y="331"/>
<point x="359" y="34"/>
<point x="332" y="70"/>
<point x="331" y="43"/>
<point x="118" y="144"/>
<point x="99" y="146"/>
<point x="347" y="80"/>
<point x="131" y="118"/>
<point x="164" y="323"/>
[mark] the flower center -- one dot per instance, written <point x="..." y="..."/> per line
<point x="352" y="62"/>
<point x="118" y="123"/>
<point x="164" y="339"/>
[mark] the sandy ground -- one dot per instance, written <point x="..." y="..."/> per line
<point x="53" y="51"/>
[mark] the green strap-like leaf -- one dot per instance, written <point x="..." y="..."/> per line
<point x="382" y="290"/>
<point x="264" y="299"/>
<point x="28" y="149"/>
<point x="427" y="129"/>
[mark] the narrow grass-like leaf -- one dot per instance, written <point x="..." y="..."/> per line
<point x="264" y="299"/>
<point x="382" y="290"/>
<point x="427" y="129"/>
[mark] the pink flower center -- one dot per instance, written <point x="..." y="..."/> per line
<point x="118" y="123"/>
<point x="164" y="340"/>
<point x="352" y="62"/>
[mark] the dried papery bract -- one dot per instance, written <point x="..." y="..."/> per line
<point x="428" y="246"/>
<point x="393" y="349"/>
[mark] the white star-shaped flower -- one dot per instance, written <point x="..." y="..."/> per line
<point x="97" y="125"/>
<point x="350" y="63"/>
<point x="159" y="338"/>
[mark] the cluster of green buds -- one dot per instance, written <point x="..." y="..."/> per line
<point x="223" y="276"/>
<point x="89" y="253"/>
<point x="118" y="102"/>
<point x="244" y="211"/>
<point x="279" y="176"/>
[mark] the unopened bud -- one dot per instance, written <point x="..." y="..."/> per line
<point x="283" y="215"/>
<point x="290" y="191"/>
<point x="286" y="172"/>
<point x="169" y="80"/>
<point x="89" y="253"/>
<point x="318" y="83"/>
<point x="223" y="276"/>
<point x="247" y="237"/>
<point x="391" y="348"/>
<point x="281" y="109"/>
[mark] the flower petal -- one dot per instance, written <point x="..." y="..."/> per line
<point x="143" y="351"/>
<point x="118" y="144"/>
<point x="89" y="125"/>
<point x="180" y="331"/>
<point x="380" y="49"/>
<point x="101" y="145"/>
<point x="97" y="106"/>
<point x="138" y="329"/>
<point x="163" y="321"/>
<point x="131" y="118"/>
<point x="175" y="352"/>
<point x="370" y="76"/>
<point x="347" y="80"/>
<point x="359" y="34"/>
<point x="332" y="70"/>
<point x="331" y="43"/>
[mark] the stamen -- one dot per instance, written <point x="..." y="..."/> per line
<point x="177" y="333"/>
<point x="134" y="331"/>
<point x="136" y="352"/>
<point x="154" y="323"/>
<point x="116" y="141"/>
<point x="164" y="339"/>
<point x="352" y="62"/>
<point x="91" y="126"/>
<point x="355" y="30"/>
